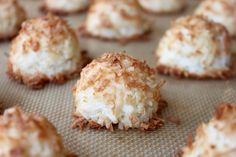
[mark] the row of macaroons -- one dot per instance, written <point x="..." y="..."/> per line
<point x="120" y="20"/>
<point x="47" y="50"/>
<point x="113" y="20"/>
<point x="31" y="135"/>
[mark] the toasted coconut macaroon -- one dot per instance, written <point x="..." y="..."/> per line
<point x="46" y="50"/>
<point x="11" y="17"/>
<point x="29" y="135"/>
<point x="65" y="6"/>
<point x="115" y="20"/>
<point x="117" y="89"/>
<point x="195" y="47"/>
<point x="221" y="11"/>
<point x="162" y="6"/>
<point x="218" y="137"/>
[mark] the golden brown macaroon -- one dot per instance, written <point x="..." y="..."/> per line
<point x="29" y="135"/>
<point x="46" y="50"/>
<point x="195" y="48"/>
<point x="118" y="90"/>
<point x="115" y="20"/>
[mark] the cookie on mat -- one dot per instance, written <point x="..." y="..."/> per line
<point x="29" y="135"/>
<point x="46" y="50"/>
<point x="115" y="20"/>
<point x="117" y="90"/>
<point x="195" y="47"/>
<point x="216" y="138"/>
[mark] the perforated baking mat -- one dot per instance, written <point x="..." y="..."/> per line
<point x="191" y="101"/>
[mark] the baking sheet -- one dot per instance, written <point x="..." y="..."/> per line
<point x="191" y="101"/>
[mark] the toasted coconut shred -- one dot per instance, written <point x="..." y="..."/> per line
<point x="117" y="90"/>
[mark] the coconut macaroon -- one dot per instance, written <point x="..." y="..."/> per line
<point x="162" y="6"/>
<point x="11" y="17"/>
<point x="29" y="135"/>
<point x="46" y="50"/>
<point x="221" y="11"/>
<point x="195" y="47"/>
<point x="218" y="137"/>
<point x="65" y="6"/>
<point x="117" y="89"/>
<point x="115" y="20"/>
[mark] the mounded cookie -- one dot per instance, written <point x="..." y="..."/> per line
<point x="46" y="50"/>
<point x="11" y="17"/>
<point x="115" y="20"/>
<point x="162" y="6"/>
<point x="62" y="7"/>
<point x="117" y="90"/>
<point x="195" y="47"/>
<point x="29" y="135"/>
<point x="216" y="138"/>
<point x="220" y="11"/>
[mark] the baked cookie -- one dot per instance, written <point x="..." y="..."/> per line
<point x="29" y="135"/>
<point x="115" y="20"/>
<point x="195" y="47"/>
<point x="46" y="50"/>
<point x="117" y="89"/>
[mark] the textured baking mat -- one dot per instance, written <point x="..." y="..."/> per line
<point x="191" y="101"/>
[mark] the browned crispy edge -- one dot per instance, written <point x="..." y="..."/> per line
<point x="40" y="80"/>
<point x="44" y="9"/>
<point x="8" y="37"/>
<point x="175" y="72"/>
<point x="71" y="155"/>
<point x="140" y="37"/>
<point x="156" y="122"/>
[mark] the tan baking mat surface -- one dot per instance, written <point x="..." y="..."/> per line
<point x="191" y="101"/>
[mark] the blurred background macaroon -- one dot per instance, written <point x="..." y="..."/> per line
<point x="11" y="17"/>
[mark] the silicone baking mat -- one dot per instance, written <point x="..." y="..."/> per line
<point x="191" y="101"/>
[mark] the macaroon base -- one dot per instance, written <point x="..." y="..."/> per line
<point x="154" y="123"/>
<point x="175" y="72"/>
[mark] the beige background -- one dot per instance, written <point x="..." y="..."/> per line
<point x="190" y="100"/>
